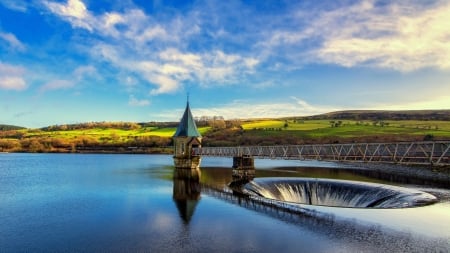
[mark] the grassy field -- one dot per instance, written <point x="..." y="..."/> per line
<point x="306" y="128"/>
<point x="267" y="124"/>
<point x="106" y="132"/>
<point x="251" y="132"/>
<point x="102" y="134"/>
<point x="351" y="128"/>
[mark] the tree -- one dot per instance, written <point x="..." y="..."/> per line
<point x="35" y="146"/>
<point x="217" y="124"/>
<point x="9" y="145"/>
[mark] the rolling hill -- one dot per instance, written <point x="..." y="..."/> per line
<point x="155" y="137"/>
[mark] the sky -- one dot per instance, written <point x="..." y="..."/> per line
<point x="74" y="61"/>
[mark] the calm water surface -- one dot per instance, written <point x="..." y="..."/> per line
<point x="123" y="203"/>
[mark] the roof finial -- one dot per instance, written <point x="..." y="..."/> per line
<point x="188" y="97"/>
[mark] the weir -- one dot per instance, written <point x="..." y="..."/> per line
<point x="337" y="193"/>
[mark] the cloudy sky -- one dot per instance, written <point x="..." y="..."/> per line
<point x="76" y="61"/>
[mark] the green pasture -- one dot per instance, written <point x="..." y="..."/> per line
<point x="262" y="124"/>
<point x="101" y="132"/>
<point x="431" y="124"/>
<point x="348" y="128"/>
<point x="267" y="128"/>
<point x="363" y="130"/>
<point x="291" y="125"/>
<point x="105" y="133"/>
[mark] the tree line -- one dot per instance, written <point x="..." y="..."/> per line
<point x="12" y="141"/>
<point x="376" y="115"/>
<point x="92" y="125"/>
<point x="4" y="127"/>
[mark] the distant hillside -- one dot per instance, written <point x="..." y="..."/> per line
<point x="156" y="137"/>
<point x="385" y="115"/>
<point x="109" y="125"/>
<point x="10" y="127"/>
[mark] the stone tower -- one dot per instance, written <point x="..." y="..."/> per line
<point x="185" y="139"/>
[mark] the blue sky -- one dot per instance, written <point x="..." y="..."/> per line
<point x="77" y="61"/>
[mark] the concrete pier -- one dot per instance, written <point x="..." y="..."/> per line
<point x="243" y="168"/>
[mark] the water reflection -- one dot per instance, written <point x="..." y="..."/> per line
<point x="138" y="203"/>
<point x="351" y="229"/>
<point x="186" y="191"/>
<point x="351" y="234"/>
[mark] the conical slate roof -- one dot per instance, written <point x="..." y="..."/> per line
<point x="187" y="125"/>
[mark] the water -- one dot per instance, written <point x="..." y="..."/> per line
<point x="338" y="193"/>
<point x="123" y="203"/>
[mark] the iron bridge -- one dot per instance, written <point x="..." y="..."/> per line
<point x="408" y="153"/>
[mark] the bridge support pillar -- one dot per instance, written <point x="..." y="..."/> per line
<point x="243" y="168"/>
<point x="191" y="162"/>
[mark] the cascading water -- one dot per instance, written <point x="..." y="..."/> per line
<point x="338" y="193"/>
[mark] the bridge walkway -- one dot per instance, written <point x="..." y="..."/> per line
<point x="409" y="153"/>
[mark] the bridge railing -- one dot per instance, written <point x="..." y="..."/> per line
<point x="431" y="152"/>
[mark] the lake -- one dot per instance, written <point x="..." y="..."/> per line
<point x="132" y="203"/>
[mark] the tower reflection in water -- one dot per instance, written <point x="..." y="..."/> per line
<point x="186" y="191"/>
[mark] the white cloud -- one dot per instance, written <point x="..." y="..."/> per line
<point x="11" y="77"/>
<point x="150" y="34"/>
<point x="83" y="71"/>
<point x="13" y="42"/>
<point x="57" y="85"/>
<point x="134" y="23"/>
<point x="133" y="101"/>
<point x="304" y="105"/>
<point x="12" y="83"/>
<point x="403" y="36"/>
<point x="75" y="12"/>
<point x="218" y="66"/>
<point x="129" y="81"/>
<point x="112" y="19"/>
<point x="175" y="56"/>
<point x="17" y="5"/>
<point x="7" y="69"/>
<point x="213" y="66"/>
<point x="414" y="39"/>
<point x="165" y="83"/>
<point x="154" y="49"/>
<point x="241" y="109"/>
<point x="171" y="67"/>
<point x="264" y="84"/>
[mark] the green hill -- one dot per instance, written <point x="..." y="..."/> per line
<point x="155" y="137"/>
<point x="9" y="127"/>
<point x="385" y="115"/>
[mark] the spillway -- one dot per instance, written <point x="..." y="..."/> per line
<point x="337" y="193"/>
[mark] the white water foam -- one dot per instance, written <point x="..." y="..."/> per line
<point x="338" y="193"/>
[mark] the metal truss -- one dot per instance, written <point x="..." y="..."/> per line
<point x="420" y="153"/>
